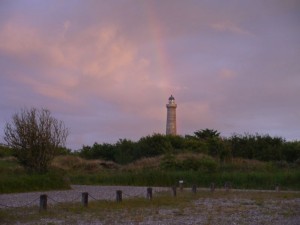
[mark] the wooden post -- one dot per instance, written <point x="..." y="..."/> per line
<point x="149" y="193"/>
<point x="277" y="188"/>
<point x="43" y="202"/>
<point x="212" y="187"/>
<point x="227" y="186"/>
<point x="181" y="185"/>
<point x="194" y="188"/>
<point x="174" y="191"/>
<point x="85" y="199"/>
<point x="119" y="196"/>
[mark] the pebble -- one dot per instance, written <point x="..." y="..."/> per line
<point x="220" y="211"/>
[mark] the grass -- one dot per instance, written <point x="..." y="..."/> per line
<point x="14" y="179"/>
<point x="66" y="170"/>
<point x="240" y="180"/>
<point x="32" y="182"/>
<point x="164" y="208"/>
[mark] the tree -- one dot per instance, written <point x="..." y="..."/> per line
<point x="35" y="137"/>
<point x="207" y="134"/>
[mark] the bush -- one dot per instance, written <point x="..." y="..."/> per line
<point x="245" y="165"/>
<point x="260" y="147"/>
<point x="189" y="161"/>
<point x="75" y="163"/>
<point x="169" y="162"/>
<point x="5" y="151"/>
<point x="291" y="151"/>
<point x="35" y="137"/>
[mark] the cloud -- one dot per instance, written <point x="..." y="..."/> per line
<point x="97" y="65"/>
<point x="228" y="26"/>
<point x="18" y="40"/>
<point x="108" y="68"/>
<point x="227" y="74"/>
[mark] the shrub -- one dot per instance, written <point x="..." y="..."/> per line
<point x="75" y="163"/>
<point x="169" y="162"/>
<point x="189" y="161"/>
<point x="35" y="137"/>
<point x="5" y="151"/>
<point x="144" y="164"/>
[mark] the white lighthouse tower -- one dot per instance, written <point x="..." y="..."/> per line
<point x="171" y="117"/>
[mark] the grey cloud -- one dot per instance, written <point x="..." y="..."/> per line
<point x="108" y="67"/>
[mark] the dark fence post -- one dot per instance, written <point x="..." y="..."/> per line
<point x="227" y="186"/>
<point x="149" y="193"/>
<point x="43" y="202"/>
<point x="212" y="187"/>
<point x="181" y="185"/>
<point x="85" y="199"/>
<point x="194" y="188"/>
<point x="118" y="195"/>
<point x="174" y="191"/>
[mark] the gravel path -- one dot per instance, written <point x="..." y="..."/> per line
<point x="227" y="208"/>
<point x="73" y="195"/>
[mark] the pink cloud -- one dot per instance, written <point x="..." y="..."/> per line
<point x="97" y="61"/>
<point x="227" y="74"/>
<point x="109" y="67"/>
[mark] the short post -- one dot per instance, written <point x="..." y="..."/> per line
<point x="43" y="202"/>
<point x="277" y="188"/>
<point x="227" y="186"/>
<point x="149" y="193"/>
<point x="85" y="199"/>
<point x="181" y="185"/>
<point x="212" y="187"/>
<point x="174" y="191"/>
<point x="119" y="196"/>
<point x="194" y="188"/>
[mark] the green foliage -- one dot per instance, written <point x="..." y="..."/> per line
<point x="9" y="167"/>
<point x="207" y="134"/>
<point x="14" y="178"/>
<point x="250" y="180"/>
<point x="202" y="164"/>
<point x="99" y="151"/>
<point x="155" y="145"/>
<point x="125" y="151"/>
<point x="169" y="162"/>
<point x="264" y="147"/>
<point x="189" y="162"/>
<point x="193" y="145"/>
<point x="177" y="143"/>
<point x="5" y="151"/>
<point x="63" y="151"/>
<point x="247" y="161"/>
<point x="33" y="182"/>
<point x="291" y="151"/>
<point x="206" y="141"/>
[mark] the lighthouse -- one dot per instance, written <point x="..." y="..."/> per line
<point x="171" y="117"/>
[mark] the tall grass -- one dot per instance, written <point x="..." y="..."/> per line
<point x="32" y="182"/>
<point x="13" y="178"/>
<point x="241" y="180"/>
<point x="66" y="170"/>
<point x="241" y="173"/>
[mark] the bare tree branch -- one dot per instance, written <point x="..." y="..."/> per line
<point x="35" y="137"/>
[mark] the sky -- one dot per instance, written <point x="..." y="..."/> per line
<point x="107" y="68"/>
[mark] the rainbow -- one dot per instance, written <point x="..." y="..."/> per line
<point x="164" y="69"/>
